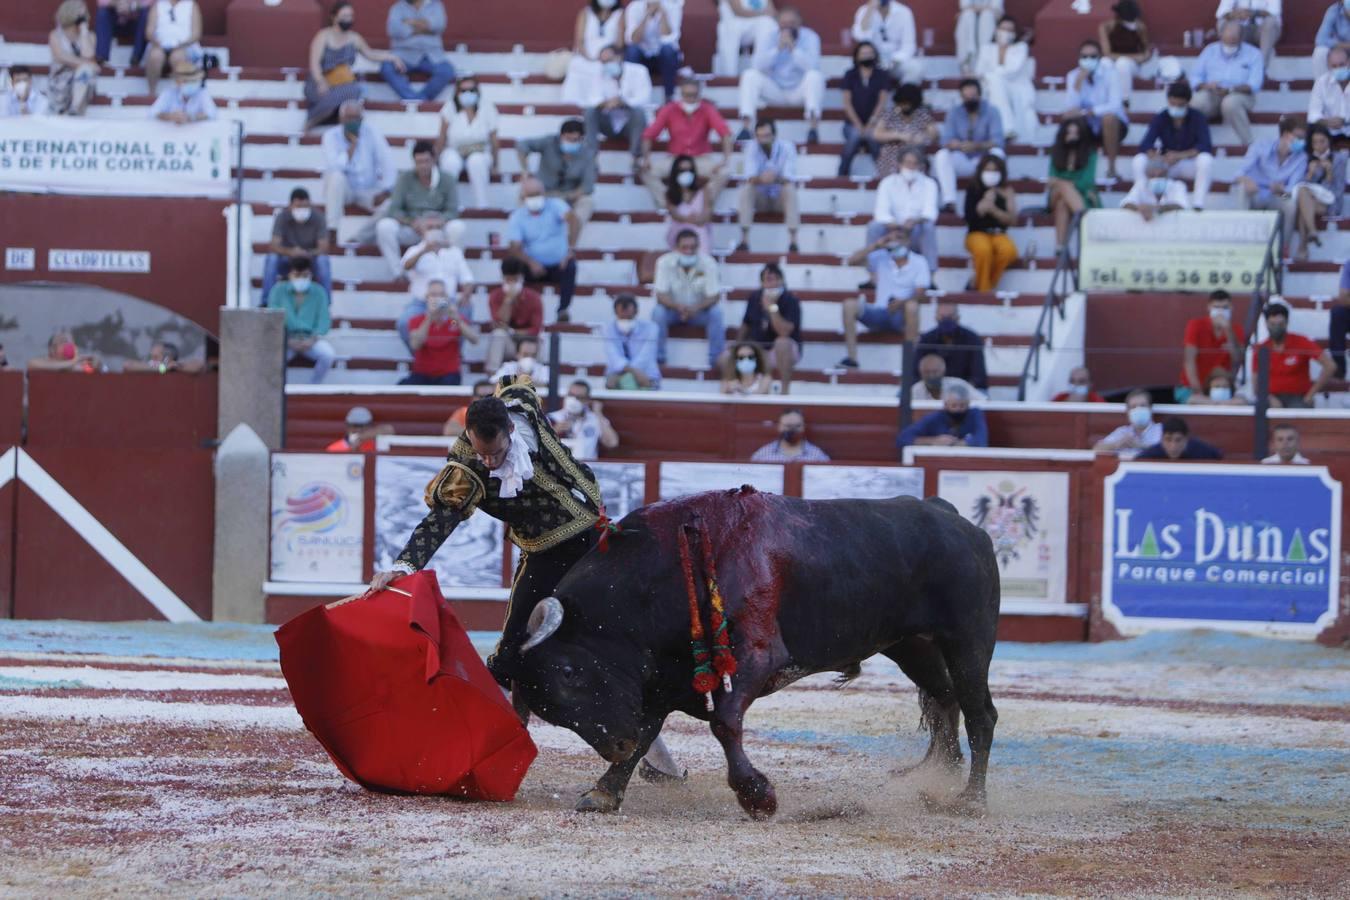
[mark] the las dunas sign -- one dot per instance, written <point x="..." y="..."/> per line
<point x="1240" y="548"/>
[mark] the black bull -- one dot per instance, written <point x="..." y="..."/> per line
<point x="810" y="586"/>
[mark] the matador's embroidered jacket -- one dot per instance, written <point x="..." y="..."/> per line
<point x="561" y="501"/>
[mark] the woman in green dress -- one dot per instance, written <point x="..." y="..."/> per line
<point x="1073" y="177"/>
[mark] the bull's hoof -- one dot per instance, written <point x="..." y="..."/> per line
<point x="932" y="762"/>
<point x="651" y="774"/>
<point x="600" y="801"/>
<point x="758" y="798"/>
<point x="966" y="804"/>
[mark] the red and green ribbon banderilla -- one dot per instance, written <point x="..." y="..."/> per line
<point x="720" y="660"/>
<point x="723" y="659"/>
<point x="606" y="529"/>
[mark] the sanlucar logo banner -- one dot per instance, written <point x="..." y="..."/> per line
<point x="1241" y="548"/>
<point x="318" y="517"/>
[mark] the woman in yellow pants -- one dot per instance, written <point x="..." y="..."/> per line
<point x="991" y="209"/>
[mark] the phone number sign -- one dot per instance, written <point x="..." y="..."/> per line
<point x="1179" y="251"/>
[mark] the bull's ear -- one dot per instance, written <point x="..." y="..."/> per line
<point x="544" y="621"/>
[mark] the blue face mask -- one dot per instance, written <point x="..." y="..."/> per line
<point x="1158" y="186"/>
<point x="570" y="147"/>
<point x="468" y="98"/>
<point x="688" y="260"/>
<point x="900" y="254"/>
<point x="190" y="89"/>
<point x="1341" y="74"/>
<point x="1177" y="112"/>
<point x="613" y="69"/>
<point x="1089" y="63"/>
<point x="1221" y="394"/>
<point x="1298" y="146"/>
<point x="946" y="326"/>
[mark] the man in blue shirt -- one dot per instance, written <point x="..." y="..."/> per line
<point x="1227" y="76"/>
<point x="973" y="128"/>
<point x="902" y="277"/>
<point x="960" y="348"/>
<point x="630" y="348"/>
<point x="770" y="167"/>
<point x="785" y="71"/>
<point x="1334" y="31"/>
<point x="537" y="234"/>
<point x="957" y="424"/>
<point x="415" y="28"/>
<point x="1094" y="96"/>
<point x="1177" y="443"/>
<point x="1271" y="170"/>
<point x="358" y="169"/>
<point x="1179" y="136"/>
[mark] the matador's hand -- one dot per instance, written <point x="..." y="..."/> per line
<point x="382" y="580"/>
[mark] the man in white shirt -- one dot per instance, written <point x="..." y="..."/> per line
<point x="688" y="293"/>
<point x="435" y="258"/>
<point x="1139" y="432"/>
<point x="889" y="25"/>
<point x="1329" y="101"/>
<point x="526" y="363"/>
<point x="1156" y="193"/>
<point x="21" y="99"/>
<point x="581" y="424"/>
<point x="358" y="169"/>
<point x="740" y="23"/>
<point x="909" y="198"/>
<point x="934" y="381"/>
<point x="187" y="101"/>
<point x="902" y="278"/>
<point x="1261" y="21"/>
<point x="1284" y="441"/>
<point x="651" y="31"/>
<point x="615" y="101"/>
<point x="785" y="72"/>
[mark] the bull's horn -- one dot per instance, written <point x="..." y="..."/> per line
<point x="544" y="621"/>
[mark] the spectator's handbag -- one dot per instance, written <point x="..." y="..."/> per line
<point x="556" y="63"/>
<point x="339" y="75"/>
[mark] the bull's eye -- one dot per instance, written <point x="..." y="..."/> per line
<point x="568" y="673"/>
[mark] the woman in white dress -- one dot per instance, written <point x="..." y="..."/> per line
<point x="599" y="25"/>
<point x="1008" y="73"/>
<point x="975" y="24"/>
<point x="468" y="137"/>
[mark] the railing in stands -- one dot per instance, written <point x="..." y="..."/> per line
<point x="1062" y="283"/>
<point x="1271" y="275"/>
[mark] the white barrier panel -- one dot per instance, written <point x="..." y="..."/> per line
<point x="1175" y="252"/>
<point x="56" y="154"/>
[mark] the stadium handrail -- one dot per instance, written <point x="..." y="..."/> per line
<point x="1066" y="274"/>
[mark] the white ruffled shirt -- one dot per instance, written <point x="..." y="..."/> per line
<point x="517" y="468"/>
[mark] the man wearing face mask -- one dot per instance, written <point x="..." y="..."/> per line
<point x="1140" y="430"/>
<point x="187" y="101"/>
<point x="358" y="169"/>
<point x="770" y="170"/>
<point x="421" y="192"/>
<point x="297" y="230"/>
<point x="1271" y="170"/>
<point x="909" y="198"/>
<point x="435" y="337"/>
<point x="688" y="292"/>
<point x="21" y="99"/>
<point x="1227" y="76"/>
<point x="1261" y="22"/>
<point x="773" y="320"/>
<point x="435" y="258"/>
<point x="1157" y="194"/>
<point x="960" y="348"/>
<point x="792" y="445"/>
<point x="1094" y="97"/>
<point x="889" y="26"/>
<point x="361" y="433"/>
<point x="526" y="363"/>
<point x="517" y="312"/>
<point x="957" y="424"/>
<point x="1329" y="101"/>
<point x="307" y="318"/>
<point x="901" y="276"/>
<point x="536" y="233"/>
<point x="1211" y="341"/>
<point x="1333" y="32"/>
<point x="688" y="119"/>
<point x="64" y="356"/>
<point x="1291" y="356"/>
<point x="630" y="348"/>
<point x="973" y="128"/>
<point x="1179" y="137"/>
<point x="615" y="101"/>
<point x="933" y="381"/>
<point x="581" y="423"/>
<point x="1080" y="389"/>
<point x="567" y="169"/>
<point x="785" y="71"/>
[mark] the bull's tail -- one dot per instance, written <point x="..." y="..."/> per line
<point x="942" y="504"/>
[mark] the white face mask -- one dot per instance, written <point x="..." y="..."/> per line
<point x="773" y="293"/>
<point x="1219" y="315"/>
<point x="685" y="179"/>
<point x="301" y="214"/>
<point x="21" y="89"/>
<point x="573" y="406"/>
<point x="300" y="285"/>
<point x="909" y="175"/>
<point x="1004" y="37"/>
<point x="1140" y="416"/>
<point x="535" y="203"/>
<point x="511" y="288"/>
<point x="525" y="364"/>
<point x="745" y="366"/>
<point x="1221" y="394"/>
<point x="625" y="326"/>
<point x="690" y="108"/>
<point x="990" y="179"/>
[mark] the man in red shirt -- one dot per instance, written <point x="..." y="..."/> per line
<point x="435" y="336"/>
<point x="688" y="118"/>
<point x="517" y="312"/>
<point x="1080" y="389"/>
<point x="1291" y="383"/>
<point x="1211" y="342"/>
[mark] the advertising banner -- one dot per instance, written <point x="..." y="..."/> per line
<point x="1242" y="548"/>
<point x="1175" y="252"/>
<point x="1026" y="514"/>
<point x="318" y="517"/>
<point x="861" y="482"/>
<point x="681" y="479"/>
<point x="65" y="155"/>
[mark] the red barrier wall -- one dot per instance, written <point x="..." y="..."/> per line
<point x="11" y="433"/>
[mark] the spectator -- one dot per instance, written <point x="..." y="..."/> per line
<point x="957" y="424"/>
<point x="747" y="371"/>
<point x="1259" y="20"/>
<point x="454" y="426"/>
<point x="773" y="322"/>
<point x="770" y="171"/>
<point x="1333" y="32"/>
<point x="64" y="356"/>
<point x="960" y="348"/>
<point x="537" y="232"/>
<point x="361" y="433"/>
<point x="435" y="337"/>
<point x="792" y="445"/>
<point x="434" y="258"/>
<point x="581" y="424"/>
<point x="615" y="103"/>
<point x="688" y="293"/>
<point x="188" y="101"/>
<point x="908" y="124"/>
<point x="72" y="81"/>
<point x="418" y="193"/>
<point x="1321" y="190"/>
<point x="652" y="36"/>
<point x="332" y="81"/>
<point x="991" y="209"/>
<point x="863" y="86"/>
<point x="785" y="72"/>
<point x="1291" y="355"/>
<point x="1006" y="69"/>
<point x="21" y="99"/>
<point x="1210" y="342"/>
<point x="1340" y="321"/>
<point x="307" y="321"/>
<point x="1284" y="441"/>
<point x="1218" y="391"/>
<point x="162" y="360"/>
<point x="298" y="230"/>
<point x="688" y="121"/>
<point x="1272" y="168"/>
<point x="889" y="26"/>
<point x="567" y="170"/>
<point x="526" y="363"/>
<point x="630" y="348"/>
<point x="1095" y="99"/>
<point x="1177" y="443"/>
<point x="359" y="170"/>
<point x="901" y="276"/>
<point x="415" y="28"/>
<point x="975" y="24"/>
<point x="124" y="19"/>
<point x="1329" y="100"/>
<point x="1227" y="76"/>
<point x="740" y="23"/>
<point x="933" y="381"/>
<point x="688" y="199"/>
<point x="1125" y="44"/>
<point x="174" y="32"/>
<point x="909" y="198"/>
<point x="1073" y="178"/>
<point x="972" y="131"/>
<point x="1179" y="136"/>
<point x="1157" y="194"/>
<point x="516" y="311"/>
<point x="1080" y="388"/>
<point x="599" y="25"/>
<point x="468" y="139"/>
<point x="1140" y="430"/>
